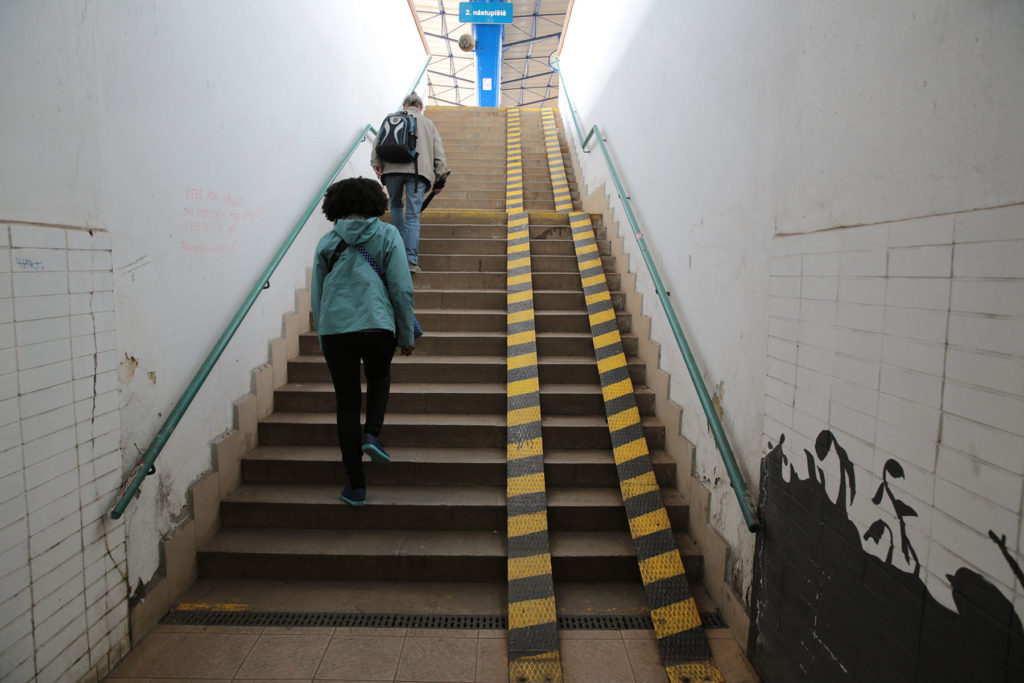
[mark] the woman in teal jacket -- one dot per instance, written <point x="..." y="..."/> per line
<point x="362" y="313"/>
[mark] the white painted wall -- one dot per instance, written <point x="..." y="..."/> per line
<point x="195" y="134"/>
<point x="903" y="333"/>
<point x="749" y="135"/>
<point x="904" y="339"/>
<point x="691" y="122"/>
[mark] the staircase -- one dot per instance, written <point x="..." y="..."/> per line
<point x="433" y="531"/>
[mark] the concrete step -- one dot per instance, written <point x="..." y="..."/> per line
<point x="454" y="299"/>
<point x="493" y="263"/>
<point x="567" y="281"/>
<point x="438" y="466"/>
<point x="470" y="320"/>
<point x="454" y="195"/>
<point x="531" y="205"/>
<point x="477" y="178"/>
<point x="438" y="508"/>
<point x="480" y="162"/>
<point x="491" y="344"/>
<point x="417" y="555"/>
<point x="481" y="246"/>
<point x="490" y="217"/>
<point x="474" y="143"/>
<point x="469" y="369"/>
<point x="540" y="204"/>
<point x="495" y="231"/>
<point x="466" y="399"/>
<point x="455" y="431"/>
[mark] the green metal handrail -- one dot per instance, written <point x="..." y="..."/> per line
<point x="145" y="466"/>
<point x="739" y="486"/>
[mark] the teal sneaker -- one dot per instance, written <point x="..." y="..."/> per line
<point x="373" y="448"/>
<point x="353" y="496"/>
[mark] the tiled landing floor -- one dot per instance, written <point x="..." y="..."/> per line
<point x="231" y="653"/>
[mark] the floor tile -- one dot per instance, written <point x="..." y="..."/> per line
<point x="451" y="660"/>
<point x="493" y="633"/>
<point x="361" y="658"/>
<point x="280" y="656"/>
<point x="207" y="655"/>
<point x="638" y="634"/>
<point x="442" y="633"/>
<point x="171" y="628"/>
<point x="589" y="634"/>
<point x="491" y="660"/>
<point x="147" y="656"/>
<point x="645" y="660"/>
<point x="732" y="662"/>
<point x="595" y="661"/>
<point x="364" y="631"/>
<point x="248" y="630"/>
<point x="298" y="630"/>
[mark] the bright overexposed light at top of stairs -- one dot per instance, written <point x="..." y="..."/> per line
<point x="527" y="79"/>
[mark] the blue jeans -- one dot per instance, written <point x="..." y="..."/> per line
<point x="408" y="220"/>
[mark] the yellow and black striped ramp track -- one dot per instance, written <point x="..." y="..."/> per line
<point x="514" y="164"/>
<point x="532" y="622"/>
<point x="559" y="182"/>
<point x="682" y="643"/>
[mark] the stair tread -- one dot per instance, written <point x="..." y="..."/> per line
<point x="397" y="453"/>
<point x="417" y="542"/>
<point x="466" y="360"/>
<point x="560" y="312"/>
<point x="411" y="597"/>
<point x="396" y="419"/>
<point x="444" y="455"/>
<point x="457" y="388"/>
<point x="498" y="334"/>
<point x="445" y="496"/>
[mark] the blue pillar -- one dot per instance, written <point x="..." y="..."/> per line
<point x="488" y="62"/>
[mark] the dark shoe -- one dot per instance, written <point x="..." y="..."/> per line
<point x="353" y="496"/>
<point x="373" y="448"/>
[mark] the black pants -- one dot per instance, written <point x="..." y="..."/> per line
<point x="343" y="352"/>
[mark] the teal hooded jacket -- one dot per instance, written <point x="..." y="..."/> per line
<point x="352" y="297"/>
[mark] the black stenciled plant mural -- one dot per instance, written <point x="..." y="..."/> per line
<point x="825" y="609"/>
<point x="876" y="530"/>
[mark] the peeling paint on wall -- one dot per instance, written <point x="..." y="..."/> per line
<point x="128" y="368"/>
<point x="716" y="402"/>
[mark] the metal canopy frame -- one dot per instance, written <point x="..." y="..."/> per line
<point x="527" y="78"/>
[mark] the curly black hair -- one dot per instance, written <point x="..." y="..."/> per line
<point x="357" y="197"/>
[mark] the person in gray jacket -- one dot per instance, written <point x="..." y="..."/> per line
<point x="362" y="299"/>
<point x="413" y="179"/>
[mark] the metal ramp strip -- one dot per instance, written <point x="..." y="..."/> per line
<point x="559" y="181"/>
<point x="532" y="620"/>
<point x="682" y="644"/>
<point x="513" y="163"/>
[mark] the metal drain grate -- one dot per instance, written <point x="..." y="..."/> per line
<point x="571" y="623"/>
<point x="604" y="622"/>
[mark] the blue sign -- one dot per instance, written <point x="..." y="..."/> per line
<point x="485" y="12"/>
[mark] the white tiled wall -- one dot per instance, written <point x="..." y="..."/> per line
<point x="907" y="341"/>
<point x="63" y="595"/>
